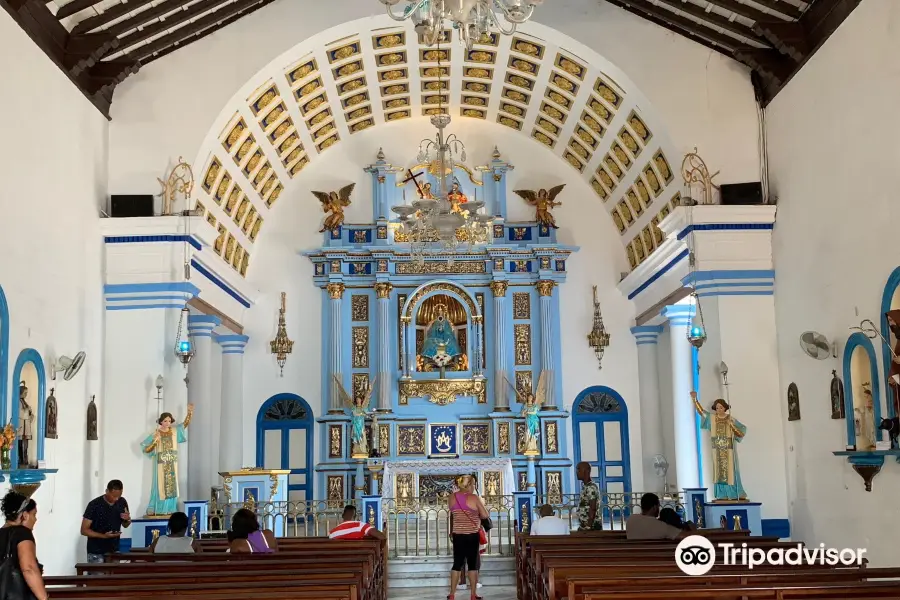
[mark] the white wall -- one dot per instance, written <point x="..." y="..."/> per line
<point x="279" y="268"/>
<point x="54" y="177"/>
<point x="704" y="98"/>
<point x="834" y="156"/>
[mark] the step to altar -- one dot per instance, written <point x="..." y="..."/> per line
<point x="434" y="571"/>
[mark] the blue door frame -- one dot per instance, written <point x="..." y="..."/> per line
<point x="284" y="413"/>
<point x="599" y="405"/>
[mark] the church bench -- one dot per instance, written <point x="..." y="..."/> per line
<point x="838" y="591"/>
<point x="177" y="579"/>
<point x="347" y="588"/>
<point x="578" y="587"/>
<point x="296" y="594"/>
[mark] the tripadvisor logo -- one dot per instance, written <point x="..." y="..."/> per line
<point x="696" y="555"/>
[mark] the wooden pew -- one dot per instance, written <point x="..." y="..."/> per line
<point x="841" y="591"/>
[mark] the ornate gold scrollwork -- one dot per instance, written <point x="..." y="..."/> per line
<point x="359" y="307"/>
<point x="360" y="340"/>
<point x="442" y="391"/>
<point x="383" y="290"/>
<point x="384" y="439"/>
<point x="545" y="287"/>
<point x="476" y="439"/>
<point x="521" y="305"/>
<point x="503" y="435"/>
<point x="226" y="481"/>
<point x="521" y="438"/>
<point x="551" y="441"/>
<point x="335" y="438"/>
<point x="499" y="288"/>
<point x="440" y="286"/>
<point x="553" y="485"/>
<point x="335" y="491"/>
<point x="522" y="336"/>
<point x="273" y="491"/>
<point x="336" y="290"/>
<point x="411" y="439"/>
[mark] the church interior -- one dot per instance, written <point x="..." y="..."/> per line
<point x="513" y="236"/>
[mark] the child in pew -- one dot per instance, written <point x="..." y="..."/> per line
<point x="176" y="541"/>
<point x="17" y="539"/>
<point x="246" y="537"/>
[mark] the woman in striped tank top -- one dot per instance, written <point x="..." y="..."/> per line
<point x="466" y="512"/>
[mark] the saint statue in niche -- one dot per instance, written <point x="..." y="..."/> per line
<point x="724" y="431"/>
<point x="793" y="397"/>
<point x="26" y="422"/>
<point x="441" y="345"/>
<point x="893" y="319"/>
<point x="51" y="416"/>
<point x="864" y="420"/>
<point x="92" y="420"/>
<point x="837" y="397"/>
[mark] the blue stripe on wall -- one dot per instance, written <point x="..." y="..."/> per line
<point x="658" y="274"/>
<point x="221" y="284"/>
<point x="143" y="239"/>
<point x="725" y="227"/>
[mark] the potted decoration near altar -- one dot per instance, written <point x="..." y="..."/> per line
<point x="7" y="439"/>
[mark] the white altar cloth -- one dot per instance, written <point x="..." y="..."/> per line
<point x="444" y="466"/>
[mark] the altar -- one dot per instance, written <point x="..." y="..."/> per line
<point x="406" y="480"/>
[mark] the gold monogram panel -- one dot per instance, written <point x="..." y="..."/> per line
<point x="524" y="383"/>
<point x="521" y="437"/>
<point x="360" y="385"/>
<point x="522" y="481"/>
<point x="335" y="491"/>
<point x="553" y="486"/>
<point x="335" y="440"/>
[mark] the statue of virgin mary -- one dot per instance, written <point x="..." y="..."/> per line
<point x="440" y="338"/>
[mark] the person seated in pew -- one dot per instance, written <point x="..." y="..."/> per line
<point x="176" y="541"/>
<point x="549" y="523"/>
<point x="17" y="539"/>
<point x="246" y="537"/>
<point x="646" y="526"/>
<point x="351" y="528"/>
<point x="669" y="516"/>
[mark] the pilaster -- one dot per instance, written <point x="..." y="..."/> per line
<point x="200" y="469"/>
<point x="501" y="331"/>
<point x="687" y="463"/>
<point x="336" y="294"/>
<point x="549" y="329"/>
<point x="231" y="422"/>
<point x="383" y="350"/>
<point x="651" y="423"/>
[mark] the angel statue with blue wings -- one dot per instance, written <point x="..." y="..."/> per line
<point x="357" y="407"/>
<point x="531" y="406"/>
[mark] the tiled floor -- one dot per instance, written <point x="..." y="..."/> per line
<point x="500" y="592"/>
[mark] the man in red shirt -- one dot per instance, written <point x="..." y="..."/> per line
<point x="352" y="529"/>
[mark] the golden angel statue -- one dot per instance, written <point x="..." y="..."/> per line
<point x="357" y="407"/>
<point x="544" y="201"/>
<point x="531" y="406"/>
<point x="334" y="202"/>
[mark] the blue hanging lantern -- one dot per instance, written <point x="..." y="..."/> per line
<point x="697" y="331"/>
<point x="184" y="349"/>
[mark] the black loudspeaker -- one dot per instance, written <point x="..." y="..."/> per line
<point x="741" y="193"/>
<point x="131" y="205"/>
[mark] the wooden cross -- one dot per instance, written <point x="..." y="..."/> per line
<point x="412" y="177"/>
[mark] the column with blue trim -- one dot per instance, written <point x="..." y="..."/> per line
<point x="680" y="318"/>
<point x="231" y="437"/>
<point x="501" y="330"/>
<point x="336" y="293"/>
<point x="652" y="444"/>
<point x="382" y="332"/>
<point x="200" y="450"/>
<point x="548" y="358"/>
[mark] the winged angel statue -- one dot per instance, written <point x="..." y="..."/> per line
<point x="531" y="406"/>
<point x="357" y="407"/>
<point x="334" y="203"/>
<point x="544" y="202"/>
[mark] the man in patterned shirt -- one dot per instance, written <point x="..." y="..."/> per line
<point x="589" y="518"/>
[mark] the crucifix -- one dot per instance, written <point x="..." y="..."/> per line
<point x="412" y="177"/>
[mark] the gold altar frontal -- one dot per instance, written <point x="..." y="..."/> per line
<point x="442" y="391"/>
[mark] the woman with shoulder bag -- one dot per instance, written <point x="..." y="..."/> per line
<point x="20" y="572"/>
<point x="466" y="514"/>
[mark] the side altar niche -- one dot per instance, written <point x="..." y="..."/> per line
<point x="437" y="353"/>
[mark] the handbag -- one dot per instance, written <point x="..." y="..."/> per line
<point x="12" y="583"/>
<point x="487" y="524"/>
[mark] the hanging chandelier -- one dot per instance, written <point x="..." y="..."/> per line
<point x="184" y="349"/>
<point x="282" y="345"/>
<point x="473" y="19"/>
<point x="694" y="171"/>
<point x="598" y="338"/>
<point x="442" y="223"/>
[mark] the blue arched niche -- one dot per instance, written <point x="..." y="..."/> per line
<point x="285" y="413"/>
<point x="599" y="405"/>
<point x="856" y="341"/>
<point x="887" y="300"/>
<point x="29" y="355"/>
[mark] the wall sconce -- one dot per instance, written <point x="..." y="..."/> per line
<point x="598" y="338"/>
<point x="184" y="349"/>
<point x="159" y="387"/>
<point x="282" y="344"/>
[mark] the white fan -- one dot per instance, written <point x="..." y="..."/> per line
<point x="661" y="464"/>
<point x="816" y="345"/>
<point x="69" y="367"/>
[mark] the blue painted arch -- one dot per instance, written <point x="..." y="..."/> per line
<point x="306" y="421"/>
<point x="30" y="355"/>
<point x="619" y="415"/>
<point x="856" y="341"/>
<point x="887" y="299"/>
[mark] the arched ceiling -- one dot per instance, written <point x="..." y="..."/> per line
<point x="552" y="90"/>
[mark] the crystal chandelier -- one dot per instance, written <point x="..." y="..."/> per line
<point x="435" y="224"/>
<point x="473" y="19"/>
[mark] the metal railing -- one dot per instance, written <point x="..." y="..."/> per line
<point x="421" y="526"/>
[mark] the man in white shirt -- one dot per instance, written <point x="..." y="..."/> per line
<point x="549" y="523"/>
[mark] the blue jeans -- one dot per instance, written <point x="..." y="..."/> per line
<point x="96" y="558"/>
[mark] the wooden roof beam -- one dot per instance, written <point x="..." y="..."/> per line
<point x="176" y="19"/>
<point x="73" y="7"/>
<point x="112" y="13"/>
<point x="744" y="10"/>
<point x="788" y="38"/>
<point x="780" y="6"/>
<point x="186" y="32"/>
<point x="732" y="27"/>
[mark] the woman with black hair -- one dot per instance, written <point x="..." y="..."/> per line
<point x="246" y="537"/>
<point x="18" y="547"/>
<point x="176" y="541"/>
